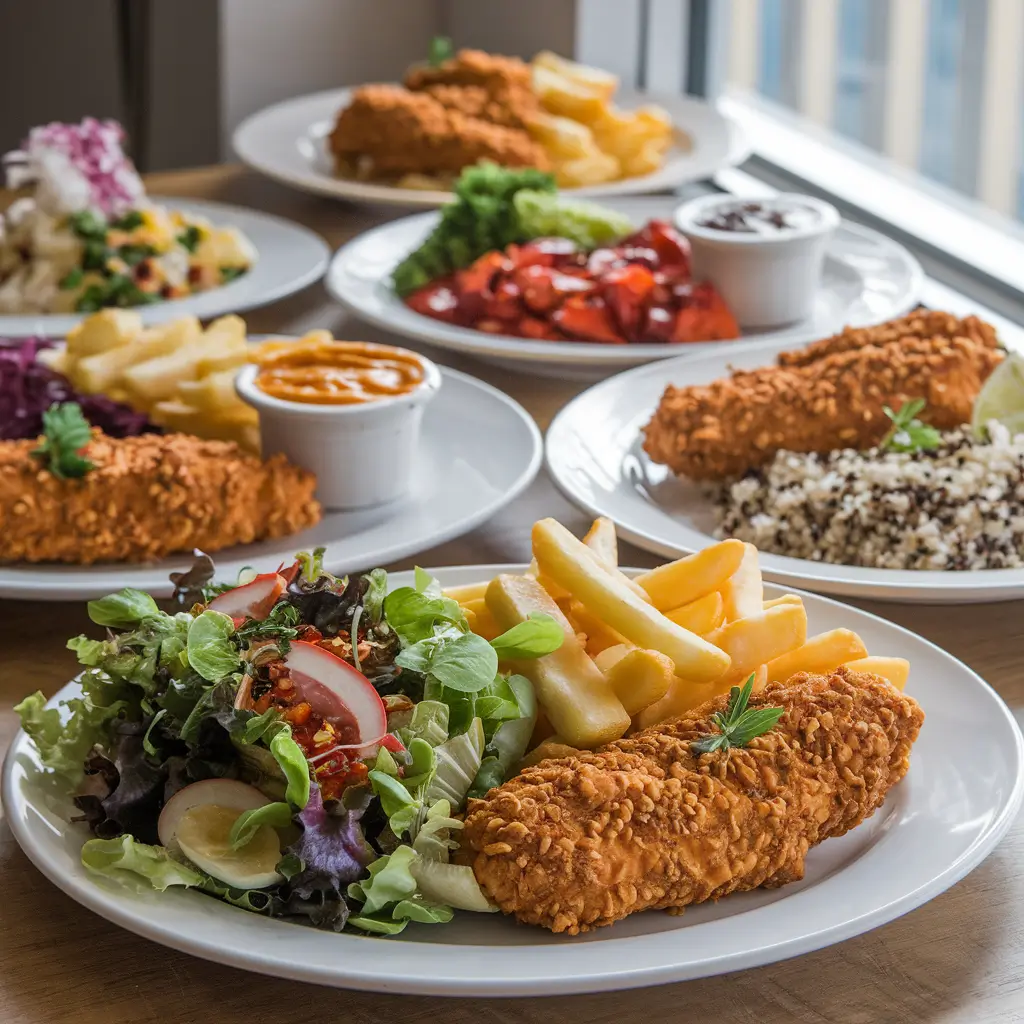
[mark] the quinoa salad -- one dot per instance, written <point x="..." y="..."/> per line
<point x="959" y="506"/>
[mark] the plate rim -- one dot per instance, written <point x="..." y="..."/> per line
<point x="45" y="591"/>
<point x="89" y="894"/>
<point x="360" y="303"/>
<point x="238" y="296"/>
<point x="736" y="144"/>
<point x="921" y="586"/>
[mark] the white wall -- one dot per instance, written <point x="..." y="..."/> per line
<point x="274" y="49"/>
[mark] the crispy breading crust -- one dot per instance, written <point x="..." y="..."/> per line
<point x="826" y="397"/>
<point x="148" y="496"/>
<point x="402" y="132"/>
<point x="579" y="842"/>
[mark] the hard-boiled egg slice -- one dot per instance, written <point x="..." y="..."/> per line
<point x="204" y="837"/>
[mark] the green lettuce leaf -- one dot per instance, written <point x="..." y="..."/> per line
<point x="136" y="865"/>
<point x="415" y="909"/>
<point x="465" y="663"/>
<point x="429" y="722"/>
<point x="122" y="610"/>
<point x="373" y="599"/>
<point x="63" y="747"/>
<point x="540" y="634"/>
<point x="294" y="765"/>
<point x="413" y="615"/>
<point x="210" y="650"/>
<point x="390" y="881"/>
<point x="548" y="214"/>
<point x="248" y="823"/>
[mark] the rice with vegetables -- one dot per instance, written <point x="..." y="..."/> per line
<point x="959" y="506"/>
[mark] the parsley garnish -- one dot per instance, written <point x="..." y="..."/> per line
<point x="231" y="273"/>
<point x="740" y="724"/>
<point x="129" y="222"/>
<point x="65" y="434"/>
<point x="190" y="238"/>
<point x="72" y="279"/>
<point x="135" y="254"/>
<point x="88" y="224"/>
<point x="441" y="49"/>
<point x="909" y="434"/>
<point x="279" y="625"/>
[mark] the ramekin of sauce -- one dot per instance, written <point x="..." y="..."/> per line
<point x="765" y="256"/>
<point x="350" y="411"/>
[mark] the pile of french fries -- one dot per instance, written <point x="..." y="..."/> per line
<point x="640" y="651"/>
<point x="179" y="374"/>
<point x="588" y="139"/>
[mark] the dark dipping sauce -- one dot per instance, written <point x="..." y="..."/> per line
<point x="760" y="218"/>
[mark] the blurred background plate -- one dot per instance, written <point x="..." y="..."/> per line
<point x="594" y="453"/>
<point x="867" y="278"/>
<point x="459" y="483"/>
<point x="289" y="258"/>
<point x="287" y="142"/>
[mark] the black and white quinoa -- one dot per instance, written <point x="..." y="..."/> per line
<point x="958" y="507"/>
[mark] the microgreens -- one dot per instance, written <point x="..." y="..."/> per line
<point x="739" y="724"/>
<point x="908" y="433"/>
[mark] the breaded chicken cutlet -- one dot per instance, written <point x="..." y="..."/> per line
<point x="644" y="823"/>
<point x="830" y="395"/>
<point x="393" y="131"/>
<point x="148" y="497"/>
<point x="498" y="89"/>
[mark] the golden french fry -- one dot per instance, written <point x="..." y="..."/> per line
<point x="561" y="137"/>
<point x="485" y="624"/>
<point x="100" y="372"/>
<point x="107" y="329"/>
<point x="601" y="82"/>
<point x="567" y="97"/>
<point x="177" y="415"/>
<point x="687" y="579"/>
<point x="647" y="159"/>
<point x="640" y="679"/>
<point x="700" y="616"/>
<point x="571" y="565"/>
<point x="595" y="168"/>
<point x="599" y="636"/>
<point x="759" y="638"/>
<point x="225" y="359"/>
<point x="601" y="539"/>
<point x="467" y="592"/>
<point x="215" y="393"/>
<point x="785" y="599"/>
<point x="557" y="592"/>
<point x="574" y="694"/>
<point x="820" y="654"/>
<point x="554" y="747"/>
<point x="683" y="695"/>
<point x="610" y="655"/>
<point x="542" y="729"/>
<point x="896" y="670"/>
<point x="743" y="592"/>
<point x="158" y="379"/>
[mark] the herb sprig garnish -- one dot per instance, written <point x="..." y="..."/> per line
<point x="908" y="433"/>
<point x="441" y="49"/>
<point x="65" y="433"/>
<point x="739" y="724"/>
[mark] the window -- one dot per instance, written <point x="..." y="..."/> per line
<point x="908" y="114"/>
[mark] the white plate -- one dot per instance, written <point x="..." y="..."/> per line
<point x="288" y="142"/>
<point x="289" y="258"/>
<point x="868" y="278"/>
<point x="595" y="456"/>
<point x="959" y="798"/>
<point x="480" y="449"/>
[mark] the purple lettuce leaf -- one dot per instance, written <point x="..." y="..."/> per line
<point x="332" y="848"/>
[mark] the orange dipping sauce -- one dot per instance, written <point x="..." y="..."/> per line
<point x="322" y="371"/>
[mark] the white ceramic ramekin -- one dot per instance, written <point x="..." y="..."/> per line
<point x="362" y="455"/>
<point x="767" y="279"/>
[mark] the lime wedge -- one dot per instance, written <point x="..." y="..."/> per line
<point x="1002" y="397"/>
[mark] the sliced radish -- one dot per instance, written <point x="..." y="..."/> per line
<point x="238" y="796"/>
<point x="335" y="690"/>
<point x="253" y="600"/>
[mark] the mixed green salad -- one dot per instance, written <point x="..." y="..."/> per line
<point x="295" y="744"/>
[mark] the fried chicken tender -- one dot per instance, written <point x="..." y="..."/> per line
<point x="643" y="823"/>
<point x="148" y="497"/>
<point x="496" y="88"/>
<point x="828" y="396"/>
<point x="400" y="132"/>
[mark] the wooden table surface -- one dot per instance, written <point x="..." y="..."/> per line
<point x="958" y="958"/>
